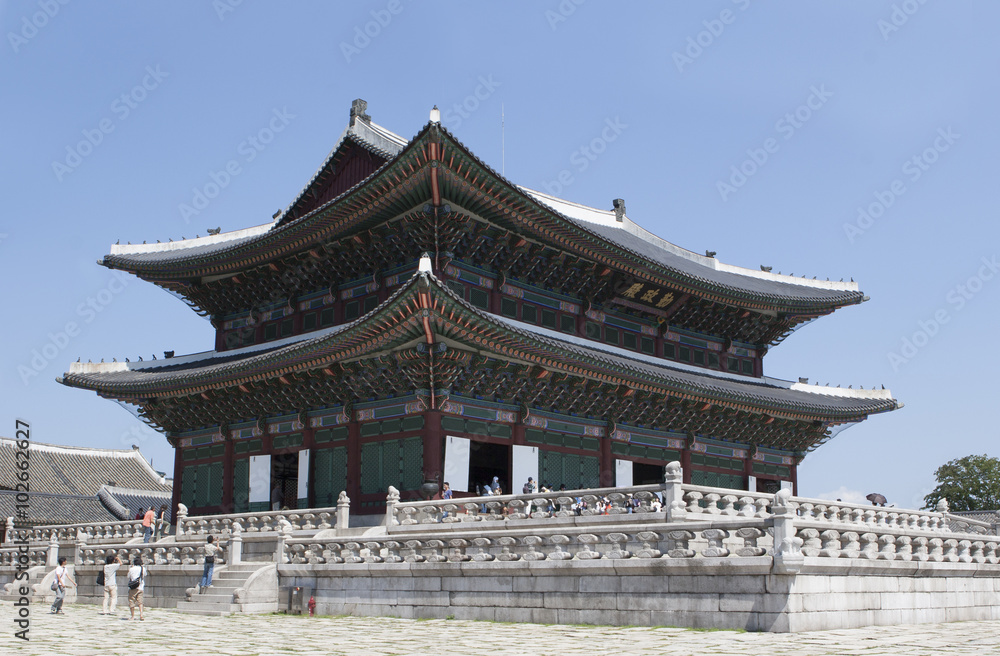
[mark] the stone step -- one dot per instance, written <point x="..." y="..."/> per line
<point x="213" y="597"/>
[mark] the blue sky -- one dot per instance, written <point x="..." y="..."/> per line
<point x="881" y="107"/>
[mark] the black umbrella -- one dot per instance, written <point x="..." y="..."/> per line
<point x="876" y="499"/>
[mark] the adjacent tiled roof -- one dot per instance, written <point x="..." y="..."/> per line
<point x="57" y="508"/>
<point x="134" y="500"/>
<point x="72" y="470"/>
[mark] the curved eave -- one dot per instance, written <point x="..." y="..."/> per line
<point x="397" y="321"/>
<point x="347" y="212"/>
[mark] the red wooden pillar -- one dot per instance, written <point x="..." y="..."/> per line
<point x="517" y="434"/>
<point x="309" y="442"/>
<point x="606" y="463"/>
<point x="175" y="499"/>
<point x="795" y="480"/>
<point x="354" y="459"/>
<point x="686" y="462"/>
<point x="748" y="469"/>
<point x="227" y="475"/>
<point x="433" y="446"/>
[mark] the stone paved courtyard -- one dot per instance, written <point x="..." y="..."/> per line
<point x="83" y="631"/>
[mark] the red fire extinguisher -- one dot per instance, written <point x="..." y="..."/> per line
<point x="312" y="606"/>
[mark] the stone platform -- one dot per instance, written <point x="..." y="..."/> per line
<point x="82" y="632"/>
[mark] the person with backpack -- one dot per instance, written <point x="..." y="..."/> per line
<point x="136" y="585"/>
<point x="59" y="583"/>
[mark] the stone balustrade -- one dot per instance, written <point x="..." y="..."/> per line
<point x="166" y="554"/>
<point x="540" y="505"/>
<point x="589" y="544"/>
<point x="21" y="559"/>
<point x="312" y="519"/>
<point x="92" y="533"/>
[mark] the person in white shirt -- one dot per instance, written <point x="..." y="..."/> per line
<point x="111" y="565"/>
<point x="62" y="579"/>
<point x="211" y="551"/>
<point x="136" y="585"/>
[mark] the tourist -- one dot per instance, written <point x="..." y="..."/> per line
<point x="138" y="515"/>
<point x="495" y="486"/>
<point x="277" y="497"/>
<point x="211" y="549"/>
<point x="147" y="525"/>
<point x="529" y="488"/>
<point x="445" y="494"/>
<point x="162" y="528"/>
<point x="62" y="579"/>
<point x="136" y="585"/>
<point x="111" y="565"/>
<point x="487" y="492"/>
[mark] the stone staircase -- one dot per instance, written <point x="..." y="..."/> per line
<point x="242" y="588"/>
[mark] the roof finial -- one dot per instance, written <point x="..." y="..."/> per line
<point x="619" y="205"/>
<point x="358" y="109"/>
<point x="435" y="115"/>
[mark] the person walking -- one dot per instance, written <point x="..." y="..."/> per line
<point x="147" y="524"/>
<point x="136" y="585"/>
<point x="111" y="565"/>
<point x="161" y="523"/>
<point x="211" y="549"/>
<point x="62" y="579"/>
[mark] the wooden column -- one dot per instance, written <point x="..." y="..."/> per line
<point x="178" y="483"/>
<point x="354" y="459"/>
<point x="517" y="434"/>
<point x="748" y="468"/>
<point x="433" y="446"/>
<point x="795" y="480"/>
<point x="606" y="462"/>
<point x="227" y="475"/>
<point x="309" y="442"/>
<point x="686" y="461"/>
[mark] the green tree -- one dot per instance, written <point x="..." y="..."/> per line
<point x="969" y="483"/>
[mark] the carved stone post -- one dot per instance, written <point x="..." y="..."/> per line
<point x="390" y="507"/>
<point x="182" y="513"/>
<point x="788" y="556"/>
<point x="81" y="544"/>
<point x="236" y="544"/>
<point x="284" y="532"/>
<point x="673" y="494"/>
<point x="52" y="556"/>
<point x="344" y="511"/>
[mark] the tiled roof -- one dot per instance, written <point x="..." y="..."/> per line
<point x="79" y="471"/>
<point x="57" y="508"/>
<point x="721" y="385"/>
<point x="700" y="272"/>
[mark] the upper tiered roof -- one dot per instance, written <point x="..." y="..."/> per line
<point x="365" y="209"/>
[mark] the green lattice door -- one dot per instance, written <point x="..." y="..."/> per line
<point x="716" y="479"/>
<point x="329" y="476"/>
<point x="241" y="485"/>
<point x="399" y="463"/>
<point x="569" y="469"/>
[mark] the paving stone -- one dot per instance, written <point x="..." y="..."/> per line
<point x="81" y="631"/>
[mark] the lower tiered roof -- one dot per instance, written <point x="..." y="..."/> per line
<point x="474" y="354"/>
